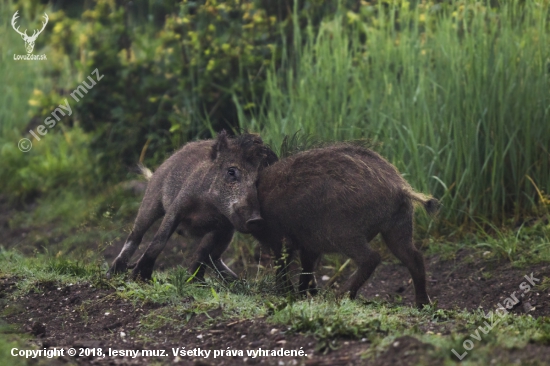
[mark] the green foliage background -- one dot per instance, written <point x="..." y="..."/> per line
<point x="455" y="93"/>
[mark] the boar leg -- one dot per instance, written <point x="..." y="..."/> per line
<point x="147" y="215"/>
<point x="212" y="246"/>
<point x="400" y="242"/>
<point x="173" y="217"/>
<point x="309" y="261"/>
<point x="366" y="259"/>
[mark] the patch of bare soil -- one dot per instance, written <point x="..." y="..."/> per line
<point x="466" y="283"/>
<point x="81" y="316"/>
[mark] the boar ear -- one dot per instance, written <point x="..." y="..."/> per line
<point x="220" y="145"/>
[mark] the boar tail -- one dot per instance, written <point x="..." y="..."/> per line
<point x="430" y="204"/>
<point x="146" y="172"/>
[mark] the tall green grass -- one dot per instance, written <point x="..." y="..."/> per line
<point x="458" y="95"/>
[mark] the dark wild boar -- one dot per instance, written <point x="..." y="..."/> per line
<point x="336" y="199"/>
<point x="208" y="188"/>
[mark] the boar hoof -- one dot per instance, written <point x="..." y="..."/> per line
<point x="142" y="273"/>
<point x="346" y="292"/>
<point x="424" y="301"/>
<point x="117" y="267"/>
<point x="313" y="291"/>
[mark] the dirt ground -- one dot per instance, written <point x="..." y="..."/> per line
<point x="83" y="316"/>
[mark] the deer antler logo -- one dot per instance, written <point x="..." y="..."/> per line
<point x="29" y="41"/>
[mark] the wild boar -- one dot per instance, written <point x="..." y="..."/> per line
<point x="208" y="188"/>
<point x="336" y="199"/>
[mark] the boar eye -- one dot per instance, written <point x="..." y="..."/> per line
<point x="232" y="174"/>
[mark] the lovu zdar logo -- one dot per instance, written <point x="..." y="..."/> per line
<point x="29" y="40"/>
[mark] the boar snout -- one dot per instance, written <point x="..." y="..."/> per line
<point x="255" y="222"/>
<point x="244" y="211"/>
<point x="245" y="219"/>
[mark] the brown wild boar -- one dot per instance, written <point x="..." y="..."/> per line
<point x="208" y="188"/>
<point x="336" y="199"/>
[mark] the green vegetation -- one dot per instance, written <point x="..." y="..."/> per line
<point x="9" y="340"/>
<point x="62" y="158"/>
